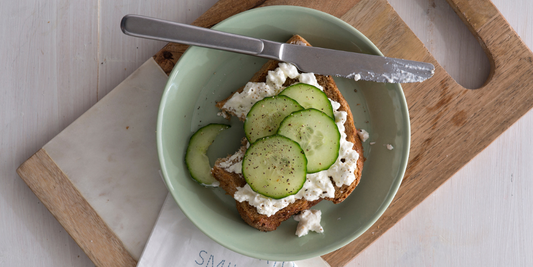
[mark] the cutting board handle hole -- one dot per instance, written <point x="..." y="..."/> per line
<point x="448" y="40"/>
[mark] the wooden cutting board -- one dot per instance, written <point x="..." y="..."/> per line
<point x="450" y="124"/>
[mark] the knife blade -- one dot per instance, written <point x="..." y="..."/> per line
<point x="351" y="65"/>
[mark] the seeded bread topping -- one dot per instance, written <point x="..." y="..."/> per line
<point x="231" y="182"/>
<point x="318" y="185"/>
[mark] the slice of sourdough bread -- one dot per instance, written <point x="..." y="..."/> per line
<point x="230" y="181"/>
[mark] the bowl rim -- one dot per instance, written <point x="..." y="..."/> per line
<point x="403" y="108"/>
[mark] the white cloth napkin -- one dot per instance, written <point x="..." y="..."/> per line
<point x="175" y="241"/>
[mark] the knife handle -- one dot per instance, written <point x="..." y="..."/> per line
<point x="162" y="30"/>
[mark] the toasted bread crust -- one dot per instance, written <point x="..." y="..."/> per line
<point x="231" y="181"/>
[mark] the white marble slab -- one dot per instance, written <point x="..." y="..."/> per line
<point x="110" y="155"/>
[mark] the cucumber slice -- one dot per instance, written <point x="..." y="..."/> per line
<point x="196" y="155"/>
<point x="275" y="167"/>
<point x="264" y="117"/>
<point x="309" y="97"/>
<point x="317" y="134"/>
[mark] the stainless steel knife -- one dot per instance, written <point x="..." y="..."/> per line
<point x="317" y="60"/>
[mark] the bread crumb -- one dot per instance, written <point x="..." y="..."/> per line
<point x="389" y="146"/>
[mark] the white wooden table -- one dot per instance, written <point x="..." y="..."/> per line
<point x="60" y="57"/>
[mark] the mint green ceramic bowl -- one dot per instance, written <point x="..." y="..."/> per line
<point x="203" y="76"/>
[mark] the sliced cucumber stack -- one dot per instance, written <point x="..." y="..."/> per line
<point x="264" y="117"/>
<point x="196" y="155"/>
<point x="309" y="97"/>
<point x="317" y="134"/>
<point x="275" y="167"/>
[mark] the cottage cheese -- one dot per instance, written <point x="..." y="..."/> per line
<point x="310" y="78"/>
<point x="290" y="70"/>
<point x="309" y="220"/>
<point x="234" y="163"/>
<point x="318" y="185"/>
<point x="241" y="103"/>
<point x="364" y="135"/>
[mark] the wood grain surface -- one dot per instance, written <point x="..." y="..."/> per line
<point x="169" y="55"/>
<point x="444" y="115"/>
<point x="450" y="124"/>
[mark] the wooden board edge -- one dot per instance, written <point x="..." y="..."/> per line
<point x="55" y="190"/>
<point x="169" y="55"/>
<point x="496" y="41"/>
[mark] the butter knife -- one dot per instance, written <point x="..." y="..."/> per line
<point x="317" y="60"/>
